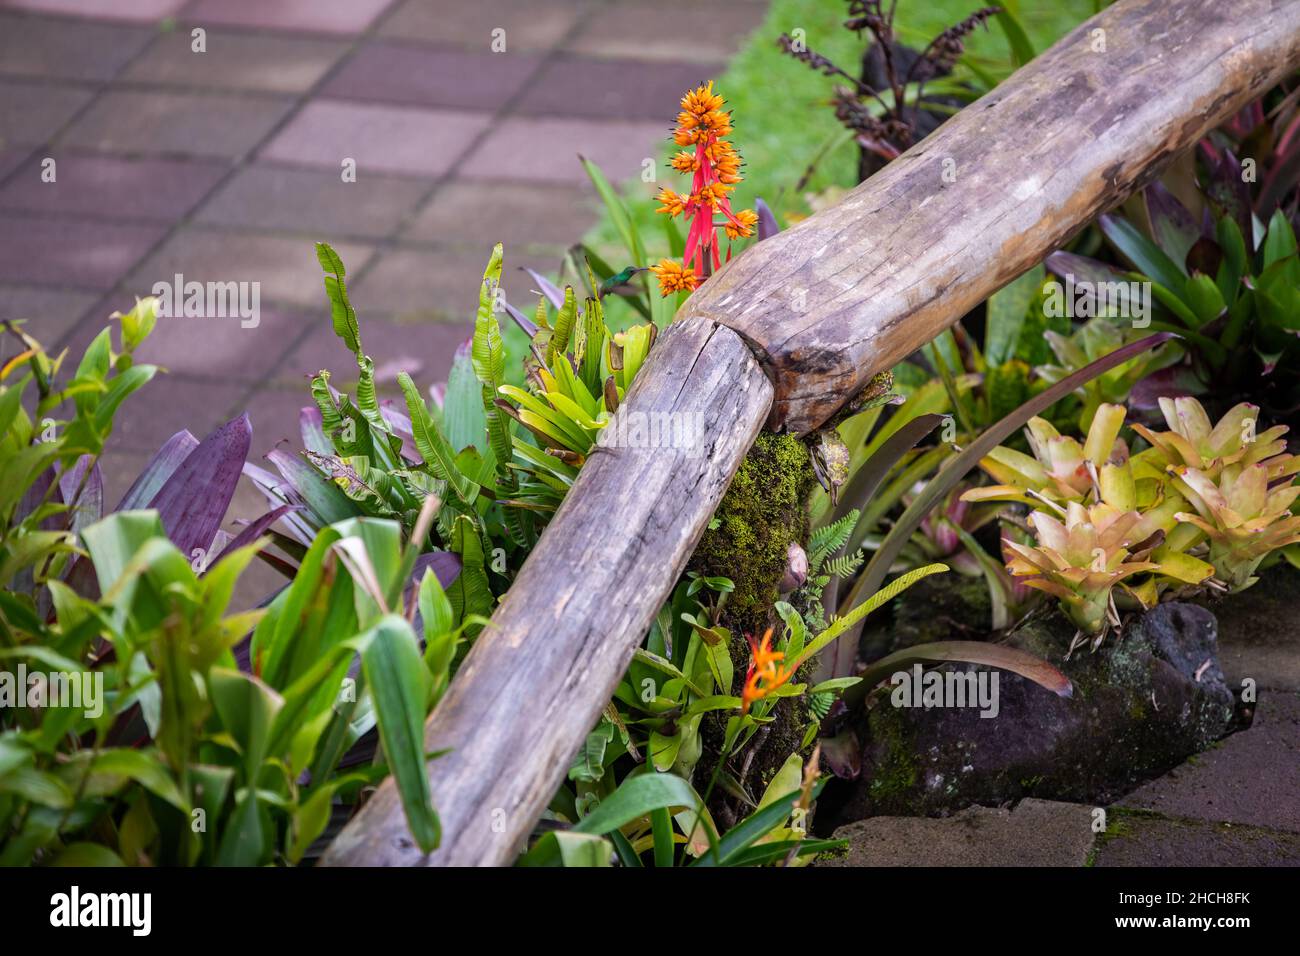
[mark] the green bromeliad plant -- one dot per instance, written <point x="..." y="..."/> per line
<point x="145" y="720"/>
<point x="1203" y="505"/>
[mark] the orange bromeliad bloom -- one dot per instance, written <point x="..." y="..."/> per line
<point x="764" y="675"/>
<point x="714" y="165"/>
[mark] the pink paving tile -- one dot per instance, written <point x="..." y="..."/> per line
<point x="142" y="11"/>
<point x="313" y="202"/>
<point x="405" y="73"/>
<point x="439" y="285"/>
<point x="185" y="123"/>
<point x="622" y="89"/>
<point x="712" y="32"/>
<point x="396" y="139"/>
<point x="529" y="25"/>
<point x="160" y="189"/>
<point x="70" y="253"/>
<point x="167" y="404"/>
<point x="67" y="49"/>
<point x="285" y="268"/>
<point x="522" y="215"/>
<point x="548" y="149"/>
<point x="423" y="350"/>
<point x="32" y="113"/>
<point x="221" y="348"/>
<point x="320" y="16"/>
<point x="50" y="314"/>
<point x="237" y="61"/>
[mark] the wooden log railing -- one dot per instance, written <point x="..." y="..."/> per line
<point x="783" y="336"/>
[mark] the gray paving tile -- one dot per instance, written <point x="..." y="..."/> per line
<point x="547" y="149"/>
<point x="70" y="253"/>
<point x="31" y="112"/>
<point x="131" y="188"/>
<point x="67" y="49"/>
<point x="529" y="25"/>
<point x="304" y="16"/>
<point x="426" y="76"/>
<point x="237" y="61"/>
<point x="192" y="124"/>
<point x="395" y="139"/>
<point x="313" y="202"/>
<point x="621" y="89"/>
<point x="286" y="268"/>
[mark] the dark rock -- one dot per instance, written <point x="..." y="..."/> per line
<point x="1141" y="705"/>
<point x="1035" y="833"/>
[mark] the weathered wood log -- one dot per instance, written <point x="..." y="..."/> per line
<point x="854" y="289"/>
<point x="539" y="675"/>
<point x="823" y="306"/>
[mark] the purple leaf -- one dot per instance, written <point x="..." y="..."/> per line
<point x="88" y="506"/>
<point x="547" y="288"/>
<point x="193" y="502"/>
<point x="312" y="428"/>
<point x="255" y="530"/>
<point x="1172" y="226"/>
<point x="160" y="467"/>
<point x="767" y="225"/>
<point x="521" y="320"/>
<point x="445" y="565"/>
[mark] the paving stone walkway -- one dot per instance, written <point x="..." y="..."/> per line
<point x="225" y="165"/>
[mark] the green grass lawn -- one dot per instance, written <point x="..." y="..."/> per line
<point x="780" y="106"/>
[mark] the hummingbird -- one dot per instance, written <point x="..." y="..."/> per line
<point x="618" y="283"/>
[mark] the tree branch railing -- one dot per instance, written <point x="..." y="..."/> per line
<point x="783" y="337"/>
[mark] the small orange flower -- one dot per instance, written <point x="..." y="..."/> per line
<point x="685" y="162"/>
<point x="764" y="674"/>
<point x="702" y="99"/>
<point x="743" y="227"/>
<point x="673" y="277"/>
<point x="672" y="203"/>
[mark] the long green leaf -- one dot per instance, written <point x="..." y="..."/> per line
<point x="438" y="455"/>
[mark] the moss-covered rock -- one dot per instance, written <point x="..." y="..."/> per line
<point x="1141" y="705"/>
<point x="763" y="511"/>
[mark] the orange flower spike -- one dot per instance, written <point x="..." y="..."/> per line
<point x="685" y="162"/>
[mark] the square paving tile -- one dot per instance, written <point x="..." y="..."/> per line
<point x="140" y="11"/>
<point x="528" y="24"/>
<point x="1249" y="778"/>
<point x="682" y="30"/>
<point x="190" y="124"/>
<point x="50" y="313"/>
<point x="522" y="215"/>
<point x="70" y="253"/>
<point x="14" y="157"/>
<point x="33" y="113"/>
<point x="424" y="76"/>
<point x="243" y="61"/>
<point x="67" y="49"/>
<point x="166" y="405"/>
<point x="319" y="16"/>
<point x="161" y="189"/>
<point x="221" y="348"/>
<point x="438" y="285"/>
<point x="548" y="149"/>
<point x="286" y="268"/>
<point x="395" y="139"/>
<point x="621" y="89"/>
<point x="313" y="202"/>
